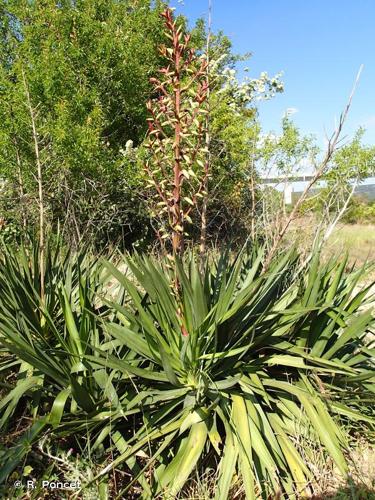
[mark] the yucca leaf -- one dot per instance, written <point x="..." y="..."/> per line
<point x="297" y="467"/>
<point x="354" y="330"/>
<point x="16" y="453"/>
<point x="195" y="443"/>
<point x="240" y="421"/>
<point x="10" y="401"/>
<point x="228" y="462"/>
<point x="58" y="407"/>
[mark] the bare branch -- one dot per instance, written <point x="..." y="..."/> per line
<point x="39" y="181"/>
<point x="331" y="148"/>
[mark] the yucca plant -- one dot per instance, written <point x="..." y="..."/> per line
<point x="215" y="371"/>
<point x="226" y="364"/>
<point x="44" y="341"/>
<point x="45" y="344"/>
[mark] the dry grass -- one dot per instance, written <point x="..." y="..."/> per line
<point x="356" y="239"/>
<point x="328" y="483"/>
<point x="360" y="482"/>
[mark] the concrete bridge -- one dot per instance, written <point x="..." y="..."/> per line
<point x="287" y="183"/>
<point x="366" y="188"/>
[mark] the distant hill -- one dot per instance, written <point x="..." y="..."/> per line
<point x="364" y="191"/>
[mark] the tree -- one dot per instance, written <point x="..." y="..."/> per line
<point x="353" y="160"/>
<point x="350" y="165"/>
<point x="87" y="65"/>
<point x="280" y="156"/>
<point x="234" y="127"/>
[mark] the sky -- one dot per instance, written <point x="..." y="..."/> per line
<point x="318" y="44"/>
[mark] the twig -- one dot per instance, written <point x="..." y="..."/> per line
<point x="33" y="114"/>
<point x="332" y="144"/>
<point x="330" y="228"/>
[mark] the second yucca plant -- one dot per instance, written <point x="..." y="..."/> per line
<point x="225" y="367"/>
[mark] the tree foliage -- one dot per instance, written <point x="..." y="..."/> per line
<point x="87" y="65"/>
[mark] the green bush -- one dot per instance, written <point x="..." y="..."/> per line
<point x="360" y="212"/>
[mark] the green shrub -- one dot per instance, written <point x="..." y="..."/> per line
<point x="360" y="211"/>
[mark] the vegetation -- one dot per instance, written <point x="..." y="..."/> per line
<point x="219" y="371"/>
<point x="360" y="211"/>
<point x="139" y="357"/>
